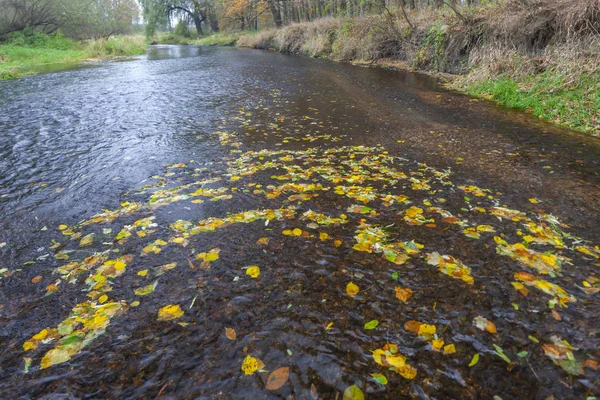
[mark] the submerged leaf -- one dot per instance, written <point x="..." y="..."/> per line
<point x="170" y="312"/>
<point x="353" y="393"/>
<point x="277" y="378"/>
<point x="352" y="289"/>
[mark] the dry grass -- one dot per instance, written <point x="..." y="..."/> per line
<point x="534" y="57"/>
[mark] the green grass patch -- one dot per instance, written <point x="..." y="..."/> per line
<point x="31" y="54"/>
<point x="570" y="100"/>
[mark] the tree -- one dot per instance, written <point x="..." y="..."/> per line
<point x="197" y="11"/>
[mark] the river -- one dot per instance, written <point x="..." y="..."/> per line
<point x="410" y="241"/>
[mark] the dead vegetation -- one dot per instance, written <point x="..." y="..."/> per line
<point x="557" y="40"/>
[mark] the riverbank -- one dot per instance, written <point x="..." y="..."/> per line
<point x="543" y="59"/>
<point x="28" y="55"/>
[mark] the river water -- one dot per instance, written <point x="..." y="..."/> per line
<point x="411" y="241"/>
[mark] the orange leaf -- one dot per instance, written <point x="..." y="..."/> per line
<point x="412" y="326"/>
<point x="278" y="378"/>
<point x="36" y="279"/>
<point x="230" y="333"/>
<point x="403" y="294"/>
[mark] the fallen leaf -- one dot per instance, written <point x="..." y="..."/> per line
<point x="484" y="324"/>
<point x="277" y="378"/>
<point x="372" y="324"/>
<point x="403" y="294"/>
<point x="353" y="393"/>
<point x="250" y="365"/>
<point x="170" y="312"/>
<point x="253" y="271"/>
<point x="474" y="360"/>
<point x="352" y="289"/>
<point x="36" y="279"/>
<point x="380" y="378"/>
<point x="230" y="333"/>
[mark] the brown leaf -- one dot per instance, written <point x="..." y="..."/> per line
<point x="36" y="279"/>
<point x="278" y="378"/>
<point x="230" y="333"/>
<point x="412" y="326"/>
<point x="313" y="392"/>
<point x="593" y="364"/>
<point x="556" y="315"/>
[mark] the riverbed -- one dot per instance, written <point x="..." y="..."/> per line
<point x="230" y="223"/>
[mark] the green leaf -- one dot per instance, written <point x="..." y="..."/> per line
<point x="522" y="354"/>
<point x="395" y="276"/>
<point x="533" y="339"/>
<point x="353" y="393"/>
<point x="474" y="360"/>
<point x="379" y="378"/>
<point x="372" y="324"/>
<point x="501" y="354"/>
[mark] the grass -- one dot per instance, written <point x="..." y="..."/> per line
<point x="217" y="39"/>
<point x="24" y="55"/>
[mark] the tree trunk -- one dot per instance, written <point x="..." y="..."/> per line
<point x="276" y="14"/>
<point x="212" y="19"/>
<point x="198" y="23"/>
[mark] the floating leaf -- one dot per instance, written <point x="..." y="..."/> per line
<point x="352" y="289"/>
<point x="170" y="312"/>
<point x="278" y="378"/>
<point x="353" y="393"/>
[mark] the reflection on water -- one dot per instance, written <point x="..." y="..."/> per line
<point x="162" y="52"/>
<point x="397" y="230"/>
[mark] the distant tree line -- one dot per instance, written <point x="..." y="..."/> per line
<point x="210" y="15"/>
<point x="82" y="19"/>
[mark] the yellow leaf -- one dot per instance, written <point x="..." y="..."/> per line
<point x="230" y="333"/>
<point x="263" y="240"/>
<point x="170" y="312"/>
<point x="135" y="303"/>
<point x="102" y="299"/>
<point x="55" y="356"/>
<point x="87" y="240"/>
<point x="407" y="372"/>
<point x="323" y="236"/>
<point x="533" y="201"/>
<point x="288" y="232"/>
<point x="337" y="243"/>
<point x="449" y="349"/>
<point x="437" y="344"/>
<point x="212" y="256"/>
<point x="250" y="365"/>
<point x="329" y="325"/>
<point x="143" y="272"/>
<point x="253" y="271"/>
<point x="41" y="335"/>
<point x="62" y="227"/>
<point x="29" y="346"/>
<point x="352" y="289"/>
<point x="297" y="232"/>
<point x="426" y="330"/>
